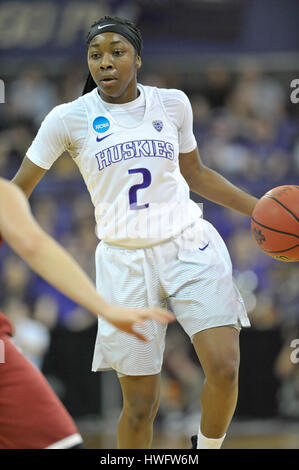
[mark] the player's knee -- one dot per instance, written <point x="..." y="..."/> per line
<point x="140" y="411"/>
<point x="225" y="373"/>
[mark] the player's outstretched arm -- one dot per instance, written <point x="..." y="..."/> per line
<point x="21" y="231"/>
<point x="213" y="186"/>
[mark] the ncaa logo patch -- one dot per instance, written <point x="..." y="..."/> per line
<point x="158" y="125"/>
<point x="101" y="124"/>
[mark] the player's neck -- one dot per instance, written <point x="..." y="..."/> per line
<point x="130" y="94"/>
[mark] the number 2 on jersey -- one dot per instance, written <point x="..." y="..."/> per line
<point x="147" y="179"/>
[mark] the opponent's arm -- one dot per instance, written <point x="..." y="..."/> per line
<point x="213" y="186"/>
<point x="54" y="264"/>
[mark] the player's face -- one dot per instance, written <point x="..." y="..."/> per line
<point x="113" y="64"/>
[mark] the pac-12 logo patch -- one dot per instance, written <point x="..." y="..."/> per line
<point x="158" y="125"/>
<point x="101" y="124"/>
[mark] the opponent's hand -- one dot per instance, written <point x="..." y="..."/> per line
<point x="125" y="318"/>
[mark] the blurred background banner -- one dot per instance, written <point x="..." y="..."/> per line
<point x="236" y="61"/>
<point x="58" y="27"/>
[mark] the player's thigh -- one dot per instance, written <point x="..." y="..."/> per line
<point x="203" y="294"/>
<point x="218" y="352"/>
<point x="127" y="278"/>
<point x="141" y="393"/>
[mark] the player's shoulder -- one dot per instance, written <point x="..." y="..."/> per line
<point x="166" y="94"/>
<point x="6" y="327"/>
<point x="69" y="109"/>
<point x="173" y="95"/>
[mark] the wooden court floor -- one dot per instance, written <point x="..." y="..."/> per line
<point x="251" y="435"/>
<point x="290" y="441"/>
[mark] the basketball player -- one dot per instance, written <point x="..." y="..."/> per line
<point x="135" y="148"/>
<point x="31" y="416"/>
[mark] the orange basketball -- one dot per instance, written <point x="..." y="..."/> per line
<point x="275" y="223"/>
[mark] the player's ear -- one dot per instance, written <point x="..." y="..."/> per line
<point x="138" y="62"/>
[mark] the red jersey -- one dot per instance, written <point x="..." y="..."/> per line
<point x="31" y="415"/>
<point x="5" y="325"/>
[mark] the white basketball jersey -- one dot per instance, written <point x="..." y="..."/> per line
<point x="132" y="174"/>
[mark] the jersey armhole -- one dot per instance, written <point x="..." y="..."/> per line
<point x="88" y="130"/>
<point x="164" y="110"/>
<point x="192" y="150"/>
<point x="67" y="133"/>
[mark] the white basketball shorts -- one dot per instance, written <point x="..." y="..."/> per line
<point x="190" y="273"/>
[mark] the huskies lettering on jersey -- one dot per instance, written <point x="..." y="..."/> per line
<point x="134" y="149"/>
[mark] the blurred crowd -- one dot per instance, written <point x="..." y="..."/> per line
<point x="248" y="130"/>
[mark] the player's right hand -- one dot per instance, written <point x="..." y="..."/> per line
<point x="125" y="318"/>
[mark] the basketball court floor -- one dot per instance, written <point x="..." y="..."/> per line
<point x="253" y="434"/>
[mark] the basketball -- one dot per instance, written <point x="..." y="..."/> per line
<point x="275" y="223"/>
